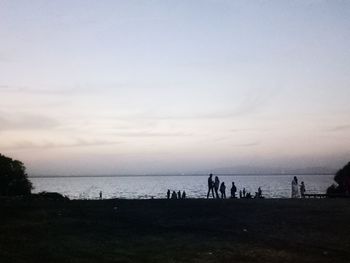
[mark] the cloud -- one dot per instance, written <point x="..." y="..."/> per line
<point x="340" y="128"/>
<point x="4" y="58"/>
<point x="26" y="122"/>
<point x="249" y="144"/>
<point x="203" y="116"/>
<point x="198" y="116"/>
<point x="250" y="104"/>
<point x="40" y="91"/>
<point x="5" y="88"/>
<point x="152" y="134"/>
<point x="22" y="145"/>
<point x="13" y="89"/>
<point x="248" y="130"/>
<point x="63" y="90"/>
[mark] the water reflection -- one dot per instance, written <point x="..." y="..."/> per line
<point x="145" y="187"/>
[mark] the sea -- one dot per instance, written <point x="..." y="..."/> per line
<point x="195" y="186"/>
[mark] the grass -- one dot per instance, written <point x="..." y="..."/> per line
<point x="268" y="230"/>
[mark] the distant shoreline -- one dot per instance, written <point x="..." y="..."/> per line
<point x="183" y="175"/>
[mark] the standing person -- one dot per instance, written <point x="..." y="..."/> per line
<point x="233" y="190"/>
<point x="216" y="186"/>
<point x="259" y="192"/>
<point x="174" y="195"/>
<point x="302" y="189"/>
<point x="295" y="189"/>
<point x="223" y="190"/>
<point x="168" y="194"/>
<point x="183" y="195"/>
<point x="210" y="186"/>
<point x="178" y="195"/>
<point x="100" y="194"/>
<point x="244" y="192"/>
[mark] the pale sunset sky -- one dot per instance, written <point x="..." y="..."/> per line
<point x="115" y="87"/>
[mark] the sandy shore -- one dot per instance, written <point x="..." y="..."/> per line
<point x="271" y="230"/>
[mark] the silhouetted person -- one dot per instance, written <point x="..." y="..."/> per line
<point x="240" y="194"/>
<point x="233" y="190"/>
<point x="100" y="194"/>
<point x="178" y="195"/>
<point x="244" y="192"/>
<point x="210" y="185"/>
<point x="295" y="190"/>
<point x="216" y="186"/>
<point x="168" y="194"/>
<point x="259" y="192"/>
<point x="223" y="190"/>
<point x="174" y="195"/>
<point x="183" y="195"/>
<point x="302" y="189"/>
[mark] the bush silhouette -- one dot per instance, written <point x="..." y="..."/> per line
<point x="342" y="178"/>
<point x="13" y="178"/>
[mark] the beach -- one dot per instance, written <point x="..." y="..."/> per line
<point x="159" y="230"/>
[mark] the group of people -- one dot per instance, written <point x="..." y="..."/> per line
<point x="296" y="188"/>
<point x="214" y="186"/>
<point x="244" y="194"/>
<point x="175" y="195"/>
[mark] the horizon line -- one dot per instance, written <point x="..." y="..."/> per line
<point x="167" y="175"/>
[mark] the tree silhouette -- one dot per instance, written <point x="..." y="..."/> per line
<point x="13" y="178"/>
<point x="342" y="177"/>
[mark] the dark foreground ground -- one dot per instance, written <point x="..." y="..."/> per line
<point x="175" y="231"/>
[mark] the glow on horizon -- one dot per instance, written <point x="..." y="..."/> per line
<point x="115" y="87"/>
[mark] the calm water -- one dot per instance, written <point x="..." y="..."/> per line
<point x="156" y="186"/>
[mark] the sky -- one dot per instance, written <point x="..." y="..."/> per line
<point x="130" y="87"/>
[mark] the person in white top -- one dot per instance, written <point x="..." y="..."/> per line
<point x="295" y="188"/>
